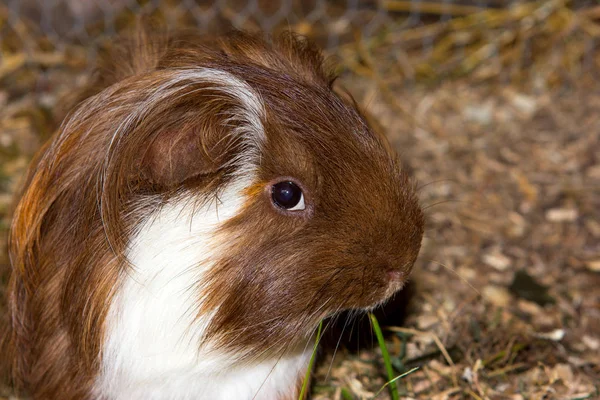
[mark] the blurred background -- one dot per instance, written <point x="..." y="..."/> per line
<point x="494" y="105"/>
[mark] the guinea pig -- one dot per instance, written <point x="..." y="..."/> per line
<point x="206" y="203"/>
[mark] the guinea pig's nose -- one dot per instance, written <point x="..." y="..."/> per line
<point x="396" y="275"/>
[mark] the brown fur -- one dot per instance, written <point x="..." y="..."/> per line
<point x="85" y="195"/>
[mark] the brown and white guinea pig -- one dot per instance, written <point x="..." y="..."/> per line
<point x="193" y="219"/>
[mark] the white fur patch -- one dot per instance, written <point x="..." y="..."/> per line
<point x="151" y="349"/>
<point x="173" y="83"/>
<point x="181" y="82"/>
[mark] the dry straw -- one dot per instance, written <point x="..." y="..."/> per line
<point x="544" y="41"/>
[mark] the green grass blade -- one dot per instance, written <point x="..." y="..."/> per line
<point x="394" y="380"/>
<point x="310" y="363"/>
<point x="346" y="395"/>
<point x="386" y="358"/>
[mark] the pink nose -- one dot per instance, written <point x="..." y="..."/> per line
<point x="395" y="275"/>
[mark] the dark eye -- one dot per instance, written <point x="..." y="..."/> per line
<point x="288" y="195"/>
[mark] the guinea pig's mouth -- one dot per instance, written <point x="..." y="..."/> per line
<point x="396" y="279"/>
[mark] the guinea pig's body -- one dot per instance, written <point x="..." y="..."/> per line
<point x="195" y="216"/>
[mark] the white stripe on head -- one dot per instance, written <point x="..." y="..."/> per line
<point x="250" y="113"/>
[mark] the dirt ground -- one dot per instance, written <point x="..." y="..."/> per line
<point x="505" y="297"/>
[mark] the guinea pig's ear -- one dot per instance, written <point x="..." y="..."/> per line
<point x="178" y="155"/>
<point x="203" y="129"/>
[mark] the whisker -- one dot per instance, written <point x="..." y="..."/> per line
<point x="458" y="275"/>
<point x="245" y="328"/>
<point x="337" y="346"/>
<point x="436" y="181"/>
<point x="371" y="330"/>
<point x="442" y="202"/>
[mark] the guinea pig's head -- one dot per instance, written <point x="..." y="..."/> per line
<point x="327" y="219"/>
<point x="234" y="168"/>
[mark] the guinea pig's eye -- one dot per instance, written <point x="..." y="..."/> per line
<point x="288" y="195"/>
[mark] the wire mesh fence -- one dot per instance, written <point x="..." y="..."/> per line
<point x="420" y="39"/>
<point x="63" y="21"/>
